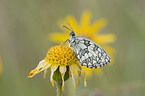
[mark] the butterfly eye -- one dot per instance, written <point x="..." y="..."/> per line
<point x="72" y="34"/>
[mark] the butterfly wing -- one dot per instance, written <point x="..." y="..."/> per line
<point x="90" y="54"/>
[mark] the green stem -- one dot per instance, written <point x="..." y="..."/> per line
<point x="59" y="88"/>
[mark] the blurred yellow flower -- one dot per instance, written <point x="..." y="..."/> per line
<point x="85" y="29"/>
<point x="1" y="67"/>
<point x="61" y="59"/>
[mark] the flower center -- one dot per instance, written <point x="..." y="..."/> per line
<point x="61" y="55"/>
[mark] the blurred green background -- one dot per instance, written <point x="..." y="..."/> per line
<point x="24" y="29"/>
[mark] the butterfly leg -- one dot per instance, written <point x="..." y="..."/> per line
<point x="64" y="43"/>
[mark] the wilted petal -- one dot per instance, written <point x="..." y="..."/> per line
<point x="53" y="69"/>
<point x="40" y="67"/>
<point x="78" y="68"/>
<point x="62" y="70"/>
<point x="79" y="77"/>
<point x="71" y="71"/>
<point x="33" y="73"/>
<point x="47" y="67"/>
<point x="85" y="82"/>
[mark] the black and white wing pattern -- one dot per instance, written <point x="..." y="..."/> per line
<point x="89" y="54"/>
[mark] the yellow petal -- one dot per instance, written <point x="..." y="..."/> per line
<point x="62" y="70"/>
<point x="85" y="20"/>
<point x="58" y="37"/>
<point x="108" y="38"/>
<point x="53" y="69"/>
<point x="73" y="23"/>
<point x="98" y="25"/>
<point x="71" y="70"/>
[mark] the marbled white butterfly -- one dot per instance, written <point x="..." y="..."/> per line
<point x="88" y="53"/>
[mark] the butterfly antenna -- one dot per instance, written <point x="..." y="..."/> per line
<point x="69" y="26"/>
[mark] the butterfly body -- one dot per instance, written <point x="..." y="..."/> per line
<point x="88" y="53"/>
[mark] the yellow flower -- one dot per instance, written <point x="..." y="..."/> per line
<point x="60" y="59"/>
<point x="1" y="67"/>
<point x="85" y="29"/>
